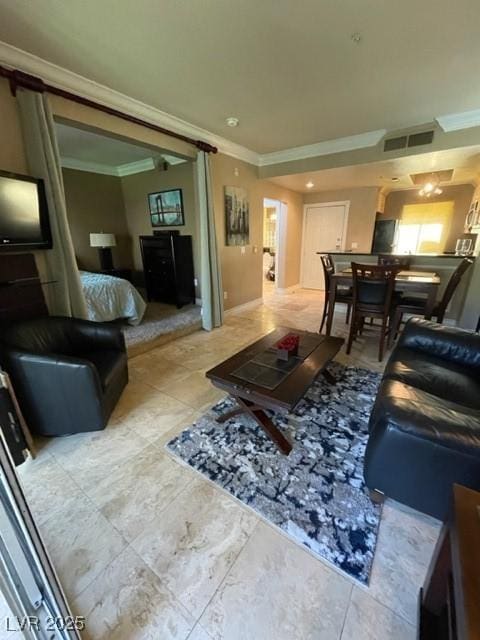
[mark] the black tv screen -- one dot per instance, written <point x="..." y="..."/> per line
<point x="24" y="222"/>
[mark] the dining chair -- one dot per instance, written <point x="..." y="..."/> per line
<point x="399" y="261"/>
<point x="343" y="295"/>
<point x="373" y="297"/>
<point x="416" y="306"/>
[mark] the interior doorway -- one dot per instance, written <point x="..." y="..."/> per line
<point x="324" y="231"/>
<point x="271" y="224"/>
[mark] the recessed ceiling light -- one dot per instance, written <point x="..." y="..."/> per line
<point x="232" y="122"/>
<point x="309" y="184"/>
<point x="395" y="179"/>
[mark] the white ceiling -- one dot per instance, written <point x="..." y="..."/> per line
<point x="288" y="70"/>
<point x="103" y="154"/>
<point x="464" y="161"/>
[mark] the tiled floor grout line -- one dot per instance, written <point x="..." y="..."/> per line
<point x="128" y="544"/>
<point x="347" y="608"/>
<point x="228" y="572"/>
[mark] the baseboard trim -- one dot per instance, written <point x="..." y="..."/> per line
<point x="244" y="307"/>
<point x="291" y="289"/>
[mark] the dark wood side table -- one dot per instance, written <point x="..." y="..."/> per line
<point x="449" y="603"/>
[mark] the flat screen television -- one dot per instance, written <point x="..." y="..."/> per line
<point x="24" y="222"/>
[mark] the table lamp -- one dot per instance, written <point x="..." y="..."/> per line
<point x="104" y="242"/>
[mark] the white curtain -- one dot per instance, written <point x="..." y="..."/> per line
<point x="65" y="297"/>
<point x="211" y="278"/>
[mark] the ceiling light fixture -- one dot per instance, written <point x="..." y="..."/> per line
<point x="431" y="187"/>
<point x="232" y="122"/>
<point x="309" y="184"/>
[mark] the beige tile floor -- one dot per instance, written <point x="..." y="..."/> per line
<point x="148" y="549"/>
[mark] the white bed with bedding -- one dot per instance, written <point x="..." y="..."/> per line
<point x="109" y="298"/>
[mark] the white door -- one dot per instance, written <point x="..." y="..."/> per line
<point x="323" y="231"/>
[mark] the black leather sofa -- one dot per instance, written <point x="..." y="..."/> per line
<point x="68" y="374"/>
<point x="425" y="424"/>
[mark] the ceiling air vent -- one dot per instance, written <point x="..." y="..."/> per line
<point x="417" y="139"/>
<point x="395" y="143"/>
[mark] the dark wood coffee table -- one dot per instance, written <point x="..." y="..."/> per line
<point x="254" y="399"/>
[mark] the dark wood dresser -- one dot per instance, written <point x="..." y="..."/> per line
<point x="449" y="603"/>
<point x="168" y="268"/>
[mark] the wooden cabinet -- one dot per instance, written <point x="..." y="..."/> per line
<point x="168" y="268"/>
<point x="449" y="603"/>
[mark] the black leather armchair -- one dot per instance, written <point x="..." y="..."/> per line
<point x="68" y="374"/>
<point x="425" y="424"/>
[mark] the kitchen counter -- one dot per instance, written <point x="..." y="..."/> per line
<point x="398" y="255"/>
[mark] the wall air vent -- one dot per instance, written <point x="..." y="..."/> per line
<point x="417" y="139"/>
<point x="395" y="143"/>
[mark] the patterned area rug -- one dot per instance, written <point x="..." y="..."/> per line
<point x="316" y="494"/>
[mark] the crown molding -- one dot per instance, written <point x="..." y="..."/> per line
<point x="120" y="171"/>
<point x="139" y="166"/>
<point x="91" y="167"/>
<point x="62" y="78"/>
<point x="173" y="160"/>
<point x="457" y="121"/>
<point x="349" y="143"/>
<point x="68" y="80"/>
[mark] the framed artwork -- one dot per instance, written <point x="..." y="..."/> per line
<point x="166" y="208"/>
<point x="236" y="216"/>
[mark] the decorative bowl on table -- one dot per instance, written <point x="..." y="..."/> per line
<point x="287" y="347"/>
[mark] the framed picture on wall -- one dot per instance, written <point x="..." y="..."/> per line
<point x="166" y="208"/>
<point x="237" y="231"/>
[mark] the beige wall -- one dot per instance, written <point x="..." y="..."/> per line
<point x="289" y="252"/>
<point x="461" y="195"/>
<point x="242" y="272"/>
<point x="12" y="156"/>
<point x="95" y="204"/>
<point x="135" y="190"/>
<point x="361" y="216"/>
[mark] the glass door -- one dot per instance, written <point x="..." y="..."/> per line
<point x="34" y="603"/>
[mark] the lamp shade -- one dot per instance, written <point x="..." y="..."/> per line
<point x="102" y="240"/>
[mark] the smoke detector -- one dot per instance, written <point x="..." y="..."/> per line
<point x="232" y="121"/>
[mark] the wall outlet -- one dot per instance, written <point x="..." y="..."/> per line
<point x="195" y="282"/>
<point x="225" y="295"/>
<point x="242" y="250"/>
<point x="354" y="245"/>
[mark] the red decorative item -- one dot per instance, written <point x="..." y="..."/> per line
<point x="288" y="346"/>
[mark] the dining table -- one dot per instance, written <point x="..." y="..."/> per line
<point x="422" y="282"/>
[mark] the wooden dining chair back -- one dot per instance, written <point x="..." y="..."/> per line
<point x="398" y="261"/>
<point x="373" y="294"/>
<point x="416" y="306"/>
<point x="328" y="270"/>
<point x="451" y="287"/>
<point x="343" y="296"/>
